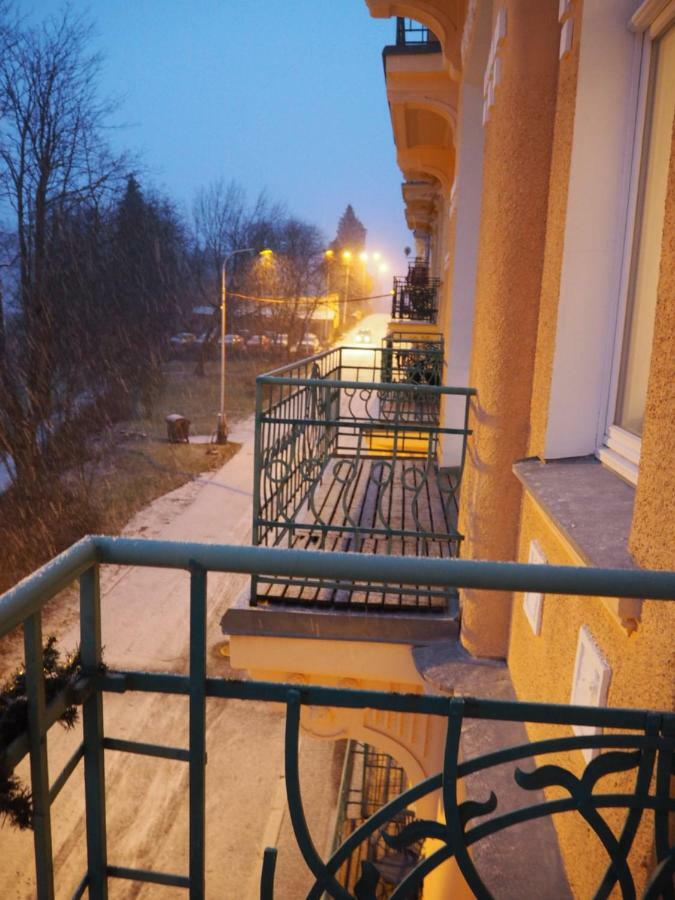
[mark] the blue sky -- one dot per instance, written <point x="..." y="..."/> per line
<point x="284" y="96"/>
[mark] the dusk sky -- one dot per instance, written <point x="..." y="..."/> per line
<point x="284" y="96"/>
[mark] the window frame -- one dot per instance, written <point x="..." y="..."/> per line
<point x="619" y="449"/>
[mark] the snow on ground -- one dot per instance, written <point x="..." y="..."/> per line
<point x="145" y="625"/>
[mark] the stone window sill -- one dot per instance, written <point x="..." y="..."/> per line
<point x="593" y="509"/>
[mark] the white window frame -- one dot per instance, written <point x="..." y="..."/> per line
<point x="620" y="449"/>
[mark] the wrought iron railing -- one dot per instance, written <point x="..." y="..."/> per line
<point x="415" y="300"/>
<point x="410" y="33"/>
<point x="636" y="746"/>
<point x="413" y="357"/>
<point x="370" y="780"/>
<point x="344" y="460"/>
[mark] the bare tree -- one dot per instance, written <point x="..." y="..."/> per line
<point x="294" y="277"/>
<point x="53" y="156"/>
<point x="224" y="221"/>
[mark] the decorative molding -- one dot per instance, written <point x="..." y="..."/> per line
<point x="496" y="73"/>
<point x="533" y="601"/>
<point x="500" y="26"/>
<point x="493" y="69"/>
<point x="468" y="30"/>
<point x="590" y="683"/>
<point x="452" y="202"/>
<point x="486" y="113"/>
<point x="566" y="34"/>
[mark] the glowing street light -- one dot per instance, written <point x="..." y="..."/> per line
<point x="363" y="256"/>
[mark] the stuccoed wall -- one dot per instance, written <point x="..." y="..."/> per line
<point x="517" y="156"/>
<point x="542" y="668"/>
<point x="555" y="236"/>
<point x="653" y="535"/>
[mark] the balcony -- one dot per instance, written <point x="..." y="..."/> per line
<point x="607" y="797"/>
<point x="412" y="37"/>
<point x="415" y="296"/>
<point x="423" y="101"/>
<point x="346" y="460"/>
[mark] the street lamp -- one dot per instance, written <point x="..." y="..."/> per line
<point x="347" y="260"/>
<point x="221" y="427"/>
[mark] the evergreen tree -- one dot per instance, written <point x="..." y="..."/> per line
<point x="351" y="233"/>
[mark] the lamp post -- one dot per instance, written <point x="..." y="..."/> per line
<point x="347" y="260"/>
<point x="221" y="427"/>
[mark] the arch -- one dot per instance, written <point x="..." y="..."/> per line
<point x="417" y="749"/>
<point x="437" y="107"/>
<point x="444" y="17"/>
<point x="429" y="160"/>
<point x="425" y="126"/>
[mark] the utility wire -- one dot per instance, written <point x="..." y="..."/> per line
<point x="319" y="302"/>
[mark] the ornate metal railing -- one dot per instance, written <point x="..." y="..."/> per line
<point x="345" y="460"/>
<point x="410" y="33"/>
<point x="371" y="779"/>
<point x="417" y="301"/>
<point x="636" y="746"/>
<point x="413" y="357"/>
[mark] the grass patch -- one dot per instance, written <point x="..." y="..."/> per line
<point x="100" y="497"/>
<point x="118" y="477"/>
<point x="139" y="473"/>
<point x="198" y="397"/>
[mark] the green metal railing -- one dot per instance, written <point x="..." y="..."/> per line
<point x="410" y="33"/>
<point x="415" y="301"/>
<point x="634" y="741"/>
<point x="371" y="779"/>
<point x="415" y="357"/>
<point x="345" y="458"/>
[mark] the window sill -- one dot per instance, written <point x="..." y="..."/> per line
<point x="593" y="510"/>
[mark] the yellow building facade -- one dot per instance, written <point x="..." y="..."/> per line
<point x="544" y="132"/>
<point x="535" y="140"/>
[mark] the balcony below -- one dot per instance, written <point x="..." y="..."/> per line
<point x="397" y="506"/>
<point x="412" y="37"/>
<point x="347" y="447"/>
<point x="415" y="295"/>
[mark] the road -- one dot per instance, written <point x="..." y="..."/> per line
<point x="145" y="625"/>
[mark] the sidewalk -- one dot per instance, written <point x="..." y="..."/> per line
<point x="145" y="625"/>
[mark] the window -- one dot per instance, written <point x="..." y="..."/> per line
<point x="622" y="450"/>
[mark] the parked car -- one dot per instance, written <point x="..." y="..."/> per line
<point x="233" y="342"/>
<point x="184" y="344"/>
<point x="182" y="340"/>
<point x="363" y="336"/>
<point x="279" y="340"/>
<point x="309" y="345"/>
<point x="257" y="343"/>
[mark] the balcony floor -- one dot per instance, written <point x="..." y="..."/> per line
<point x="400" y="507"/>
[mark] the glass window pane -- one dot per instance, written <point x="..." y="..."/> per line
<point x="649" y="233"/>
